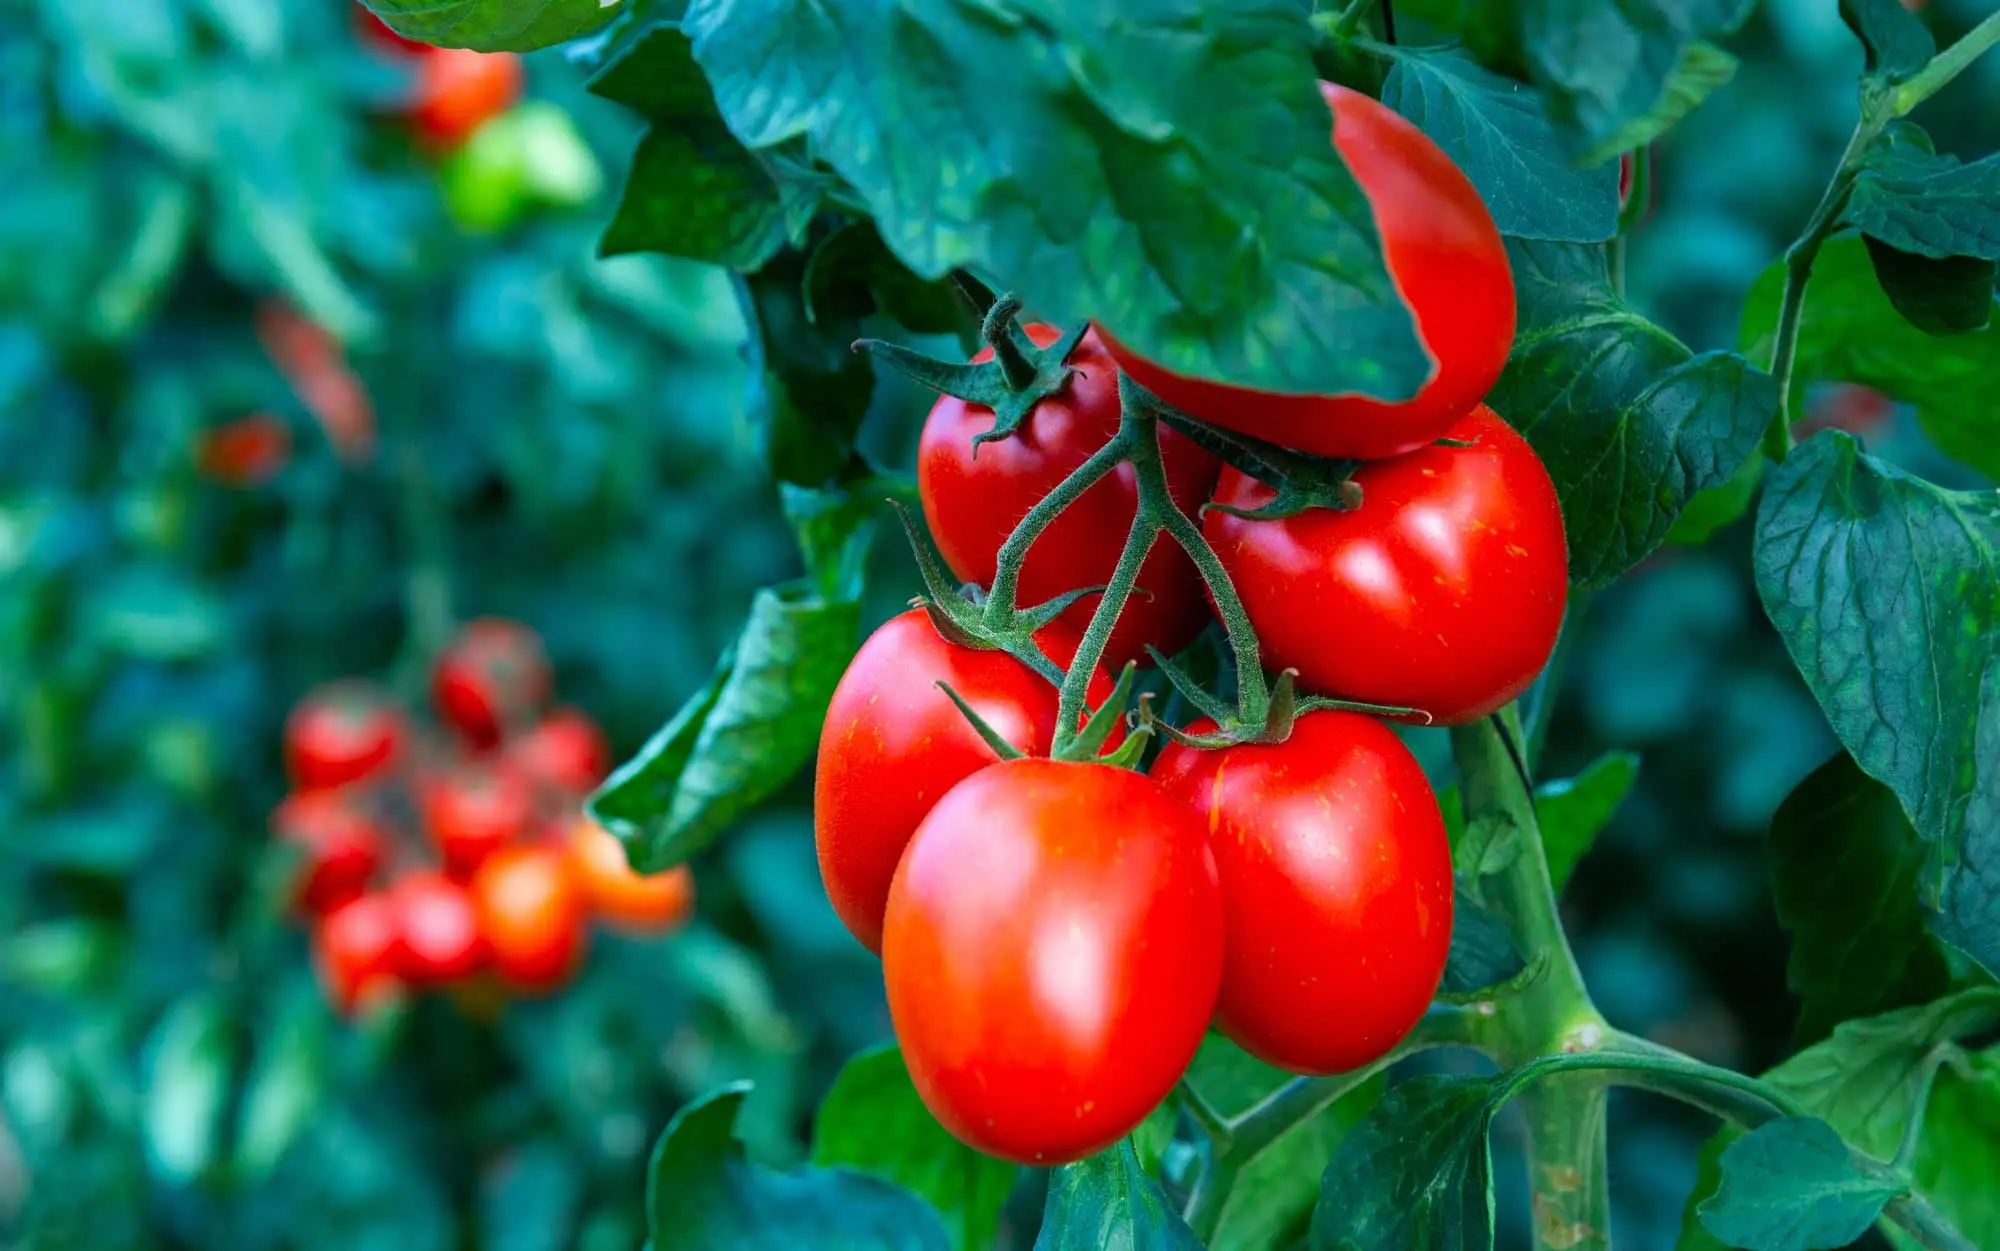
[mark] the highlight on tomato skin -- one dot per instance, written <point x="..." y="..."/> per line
<point x="474" y="811"/>
<point x="440" y="940"/>
<point x="532" y="917"/>
<point x="1052" y="949"/>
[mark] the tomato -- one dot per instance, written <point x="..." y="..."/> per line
<point x="1443" y="591"/>
<point x="972" y="496"/>
<point x="893" y="743"/>
<point x="642" y="903"/>
<point x="354" y="949"/>
<point x="476" y="811"/>
<point x="532" y="914"/>
<point x="458" y="90"/>
<point x="376" y="31"/>
<point x="247" y="451"/>
<point x="341" y="847"/>
<point x="343" y="732"/>
<point x="492" y="676"/>
<point x="1336" y="881"/>
<point x="1848" y="406"/>
<point x="566" y="752"/>
<point x="1052" y="950"/>
<point x="317" y="369"/>
<point x="1445" y="256"/>
<point x="485" y="180"/>
<point x="440" y="940"/>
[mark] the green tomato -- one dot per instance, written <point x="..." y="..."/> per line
<point x="485" y="181"/>
<point x="561" y="169"/>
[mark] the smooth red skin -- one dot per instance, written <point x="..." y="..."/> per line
<point x="972" y="498"/>
<point x="341" y="848"/>
<point x="458" y="91"/>
<point x="1444" y="591"/>
<point x="893" y="743"/>
<point x="652" y="903"/>
<point x="440" y="940"/>
<point x="475" y="812"/>
<point x="495" y="674"/>
<point x="342" y="732"/>
<point x="355" y="949"/>
<point x="566" y="752"/>
<point x="532" y="913"/>
<point x="1053" y="950"/>
<point x="1336" y="880"/>
<point x="1448" y="263"/>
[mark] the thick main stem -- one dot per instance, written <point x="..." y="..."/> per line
<point x="1568" y="1181"/>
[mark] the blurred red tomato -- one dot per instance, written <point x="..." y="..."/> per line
<point x="531" y="913"/>
<point x="458" y="90"/>
<point x="439" y="940"/>
<point x="642" y="903"/>
<point x="355" y="948"/>
<point x="566" y="752"/>
<point x="475" y="811"/>
<point x="343" y="732"/>
<point x="248" y="451"/>
<point x="341" y="847"/>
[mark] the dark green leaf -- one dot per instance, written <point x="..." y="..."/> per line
<point x="740" y="737"/>
<point x="853" y="274"/>
<point x="873" y="1121"/>
<point x="1886" y="590"/>
<point x="1482" y="952"/>
<point x="1844" y="870"/>
<point x="285" y="1087"/>
<point x="1416" y="1172"/>
<point x="1917" y="201"/>
<point x="1161" y="168"/>
<point x="1630" y="423"/>
<point x="704" y="1194"/>
<point x="1793" y="1185"/>
<point x="1719" y="506"/>
<point x="810" y="388"/>
<point x="1107" y="1203"/>
<point x="1572" y="811"/>
<point x="1953" y="295"/>
<point x="1897" y="41"/>
<point x="494" y="25"/>
<point x="1498" y="131"/>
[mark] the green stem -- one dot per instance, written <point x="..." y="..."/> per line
<point x="1947" y="65"/>
<point x="1343" y="25"/>
<point x="1569" y="1184"/>
<point x="1000" y="604"/>
<point x="1139" y="435"/>
<point x="998" y="329"/>
<point x="1212" y="1122"/>
<point x="1924" y="1223"/>
<point x="1723" y="1093"/>
<point x="1913" y="1129"/>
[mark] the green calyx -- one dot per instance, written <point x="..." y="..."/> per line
<point x="1301" y="481"/>
<point x="1019" y="376"/>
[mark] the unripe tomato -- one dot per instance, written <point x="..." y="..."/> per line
<point x="342" y="732"/>
<point x="1336" y="880"/>
<point x="1052" y="950"/>
<point x="458" y="89"/>
<point x="641" y="903"/>
<point x="355" y="950"/>
<point x="493" y="675"/>
<point x="532" y="914"/>
<point x="474" y="812"/>
<point x="566" y="752"/>
<point x="485" y="180"/>
<point x="893" y="743"/>
<point x="440" y="940"/>
<point x="341" y="847"/>
<point x="1443" y="591"/>
<point x="1449" y="265"/>
<point x="972" y="496"/>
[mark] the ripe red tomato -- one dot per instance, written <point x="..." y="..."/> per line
<point x="440" y="941"/>
<point x="342" y="732"/>
<point x="476" y="811"/>
<point x="459" y="90"/>
<point x="566" y="753"/>
<point x="341" y="848"/>
<point x="972" y="496"/>
<point x="245" y="452"/>
<point x="1447" y="260"/>
<point x="1052" y="951"/>
<point x="495" y="674"/>
<point x="532" y="914"/>
<point x="355" y="950"/>
<point x="641" y="903"/>
<point x="1336" y="880"/>
<point x="1444" y="591"/>
<point x="893" y="743"/>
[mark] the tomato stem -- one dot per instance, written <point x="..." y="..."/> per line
<point x="1000" y="601"/>
<point x="1005" y="337"/>
<point x="1947" y="65"/>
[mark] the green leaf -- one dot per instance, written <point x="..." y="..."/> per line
<point x="810" y="388"/>
<point x="1107" y="1203"/>
<point x="188" y="1068"/>
<point x="286" y="1086"/>
<point x="854" y="275"/>
<point x="1886" y="591"/>
<point x="1630" y="423"/>
<point x="1959" y="1155"/>
<point x="704" y="1194"/>
<point x="1416" y="1172"/>
<point x="1572" y="811"/>
<point x="873" y="1122"/>
<point x="494" y="25"/>
<point x="1482" y="952"/>
<point x="1163" y="169"/>
<point x="739" y="738"/>
<point x="1498" y="131"/>
<point x="1939" y="297"/>
<point x="1844" y="872"/>
<point x="529" y="1200"/>
<point x="1719" y="506"/>
<point x="1897" y="41"/>
<point x="1793" y="1185"/>
<point x="1915" y="200"/>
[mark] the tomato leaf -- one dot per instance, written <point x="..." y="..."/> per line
<point x="1482" y="952"/>
<point x="873" y="1122"/>
<point x="1571" y="811"/>
<point x="809" y="388"/>
<point x="1959" y="1154"/>
<point x="1498" y="131"/>
<point x="1792" y="1184"/>
<point x="1896" y="40"/>
<point x="1109" y="1201"/>
<point x="188" y="1078"/>
<point x="494" y="25"/>
<point x="1416" y="1172"/>
<point x="1953" y="295"/>
<point x="1915" y="200"/>
<point x="1886" y="591"/>
<point x="1844" y="869"/>
<point x="1630" y="423"/>
<point x="1163" y="169"/>
<point x="702" y="1191"/>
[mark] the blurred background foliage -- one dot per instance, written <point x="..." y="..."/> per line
<point x="519" y="428"/>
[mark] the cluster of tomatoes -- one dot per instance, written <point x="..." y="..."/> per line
<point x="1057" y="935"/>
<point x="436" y="861"/>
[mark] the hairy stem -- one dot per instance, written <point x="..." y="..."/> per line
<point x="1947" y="65"/>
<point x="1000" y="603"/>
<point x="1137" y="432"/>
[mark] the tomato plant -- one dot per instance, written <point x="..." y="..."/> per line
<point x="475" y="811"/>
<point x="494" y="675"/>
<point x="346" y="732"/>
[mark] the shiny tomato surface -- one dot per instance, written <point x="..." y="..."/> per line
<point x="649" y="903"/>
<point x="532" y="915"/>
<point x="355" y="951"/>
<point x="439" y="938"/>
